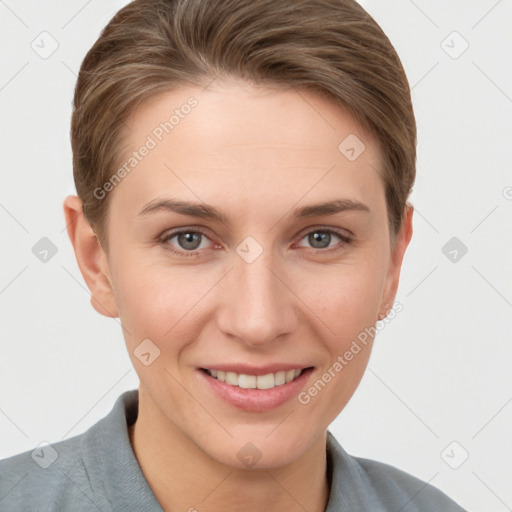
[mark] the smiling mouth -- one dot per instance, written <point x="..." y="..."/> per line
<point x="245" y="381"/>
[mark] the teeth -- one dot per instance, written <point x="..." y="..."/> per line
<point x="246" y="381"/>
<point x="232" y="378"/>
<point x="268" y="381"/>
<point x="279" y="378"/>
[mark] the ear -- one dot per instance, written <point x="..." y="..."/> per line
<point x="91" y="258"/>
<point x="397" y="254"/>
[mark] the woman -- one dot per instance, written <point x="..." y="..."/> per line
<point x="242" y="171"/>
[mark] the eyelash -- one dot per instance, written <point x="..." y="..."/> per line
<point x="345" y="240"/>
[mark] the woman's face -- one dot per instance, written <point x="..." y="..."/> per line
<point x="218" y="258"/>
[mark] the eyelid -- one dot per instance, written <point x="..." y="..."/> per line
<point x="344" y="234"/>
<point x="188" y="229"/>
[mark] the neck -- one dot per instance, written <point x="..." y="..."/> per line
<point x="183" y="477"/>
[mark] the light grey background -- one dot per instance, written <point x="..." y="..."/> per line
<point x="438" y="386"/>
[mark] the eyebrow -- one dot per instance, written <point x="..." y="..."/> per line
<point x="205" y="211"/>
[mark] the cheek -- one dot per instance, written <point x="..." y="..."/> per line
<point x="347" y="297"/>
<point x="164" y="302"/>
<point x="158" y="302"/>
<point x="346" y="305"/>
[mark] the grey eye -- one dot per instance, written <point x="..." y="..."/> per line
<point x="189" y="239"/>
<point x="319" y="239"/>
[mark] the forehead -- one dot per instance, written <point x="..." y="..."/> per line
<point x="233" y="138"/>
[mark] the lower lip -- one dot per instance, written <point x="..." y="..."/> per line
<point x="257" y="400"/>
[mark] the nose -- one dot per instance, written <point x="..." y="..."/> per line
<point x="257" y="305"/>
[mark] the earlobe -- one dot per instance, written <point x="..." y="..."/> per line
<point x="91" y="258"/>
<point x="384" y="312"/>
<point x="403" y="238"/>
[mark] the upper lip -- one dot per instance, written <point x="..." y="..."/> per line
<point x="247" y="369"/>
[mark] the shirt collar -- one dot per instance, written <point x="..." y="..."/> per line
<point x="108" y="448"/>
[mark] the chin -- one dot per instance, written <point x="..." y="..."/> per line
<point x="259" y="451"/>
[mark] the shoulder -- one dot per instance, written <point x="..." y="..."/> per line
<point x="410" y="493"/>
<point x="72" y="474"/>
<point x="45" y="477"/>
<point x="366" y="484"/>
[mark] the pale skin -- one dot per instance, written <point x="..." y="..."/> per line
<point x="256" y="155"/>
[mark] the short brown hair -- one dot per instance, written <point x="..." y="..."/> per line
<point x="333" y="47"/>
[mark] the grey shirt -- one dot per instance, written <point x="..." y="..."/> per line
<point x="97" y="471"/>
